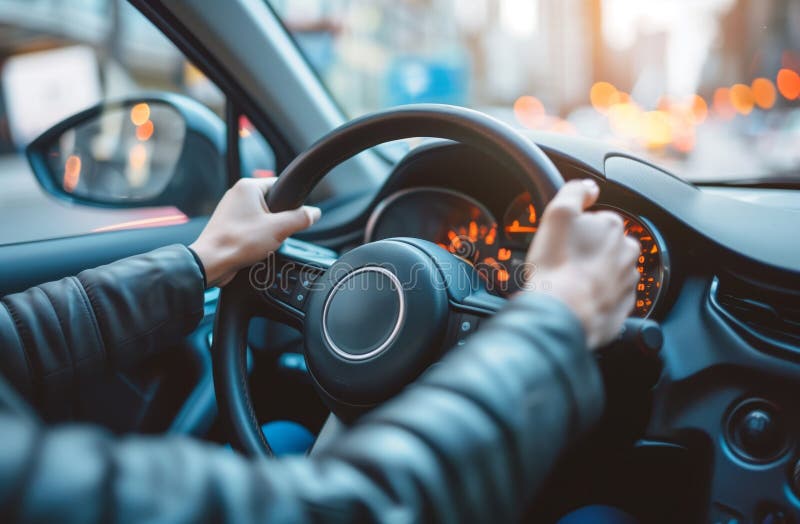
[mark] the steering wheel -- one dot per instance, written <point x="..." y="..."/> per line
<point x="378" y="316"/>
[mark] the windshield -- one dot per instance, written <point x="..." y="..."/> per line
<point x="707" y="88"/>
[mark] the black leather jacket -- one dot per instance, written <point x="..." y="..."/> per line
<point x="470" y="441"/>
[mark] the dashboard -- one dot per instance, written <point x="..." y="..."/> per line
<point x="465" y="227"/>
<point x="720" y="273"/>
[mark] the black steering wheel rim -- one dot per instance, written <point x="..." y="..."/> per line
<point x="535" y="170"/>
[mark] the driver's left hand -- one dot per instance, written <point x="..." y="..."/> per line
<point x="242" y="231"/>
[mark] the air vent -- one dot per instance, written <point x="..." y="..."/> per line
<point x="769" y="315"/>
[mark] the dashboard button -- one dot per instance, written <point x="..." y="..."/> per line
<point x="756" y="431"/>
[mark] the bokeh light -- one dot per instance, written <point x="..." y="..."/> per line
<point x="603" y="95"/>
<point x="72" y="173"/>
<point x="763" y="92"/>
<point x="529" y="111"/>
<point x="788" y="84"/>
<point x="140" y="113"/>
<point x="742" y="99"/>
<point x="145" y="131"/>
<point x="722" y="103"/>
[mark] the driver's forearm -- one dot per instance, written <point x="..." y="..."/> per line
<point x="58" y="335"/>
<point x="468" y="442"/>
<point x="474" y="438"/>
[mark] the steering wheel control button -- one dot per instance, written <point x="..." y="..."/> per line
<point x="756" y="431"/>
<point x="364" y="313"/>
<point x="461" y="327"/>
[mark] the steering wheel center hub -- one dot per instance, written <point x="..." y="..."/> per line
<point x="363" y="313"/>
<point x="374" y="321"/>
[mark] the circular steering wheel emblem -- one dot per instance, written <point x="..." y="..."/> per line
<point x="363" y="313"/>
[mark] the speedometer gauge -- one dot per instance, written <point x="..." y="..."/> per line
<point x="453" y="221"/>
<point x="652" y="264"/>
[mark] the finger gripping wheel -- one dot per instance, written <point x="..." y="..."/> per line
<point x="365" y="337"/>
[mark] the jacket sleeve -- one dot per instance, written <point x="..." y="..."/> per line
<point x="56" y="336"/>
<point x="470" y="441"/>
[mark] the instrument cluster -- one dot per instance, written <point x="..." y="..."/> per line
<point x="466" y="228"/>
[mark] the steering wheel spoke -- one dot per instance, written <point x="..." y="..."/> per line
<point x="286" y="278"/>
<point x="467" y="313"/>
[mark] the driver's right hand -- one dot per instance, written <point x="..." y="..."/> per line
<point x="584" y="259"/>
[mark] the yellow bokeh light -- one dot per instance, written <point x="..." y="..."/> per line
<point x="656" y="129"/>
<point x="625" y="120"/>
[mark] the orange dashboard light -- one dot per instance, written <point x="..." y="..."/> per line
<point x="531" y="213"/>
<point x="654" y="249"/>
<point x="503" y="276"/>
<point x="503" y="254"/>
<point x="490" y="236"/>
<point x="515" y="227"/>
<point x="473" y="231"/>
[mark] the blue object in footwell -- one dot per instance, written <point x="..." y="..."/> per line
<point x="287" y="438"/>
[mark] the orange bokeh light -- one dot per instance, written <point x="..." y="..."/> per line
<point x="145" y="131"/>
<point x="137" y="157"/>
<point x="140" y="113"/>
<point x="763" y="92"/>
<point x="564" y="127"/>
<point x="788" y="83"/>
<point x="722" y="103"/>
<point x="742" y="98"/>
<point x="72" y="173"/>
<point x="699" y="109"/>
<point x="684" y="142"/>
<point x="603" y="95"/>
<point x="529" y="111"/>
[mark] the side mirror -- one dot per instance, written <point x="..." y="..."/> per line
<point x="157" y="150"/>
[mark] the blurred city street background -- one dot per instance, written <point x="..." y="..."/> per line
<point x="707" y="88"/>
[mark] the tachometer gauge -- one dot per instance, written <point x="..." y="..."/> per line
<point x="652" y="264"/>
<point x="521" y="220"/>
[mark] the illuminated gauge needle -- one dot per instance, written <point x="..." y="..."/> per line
<point x="473" y="231"/>
<point x="491" y="235"/>
<point x="531" y="213"/>
<point x="515" y="227"/>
